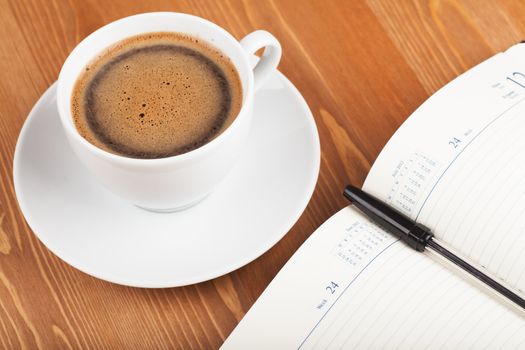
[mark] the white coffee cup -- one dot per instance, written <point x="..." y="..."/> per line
<point x="177" y="182"/>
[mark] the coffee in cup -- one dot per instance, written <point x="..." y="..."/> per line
<point x="186" y="166"/>
<point x="156" y="95"/>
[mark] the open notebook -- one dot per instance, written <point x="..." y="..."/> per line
<point x="457" y="165"/>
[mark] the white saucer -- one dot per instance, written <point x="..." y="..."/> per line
<point x="106" y="237"/>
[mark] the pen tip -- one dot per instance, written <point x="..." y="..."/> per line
<point x="350" y="192"/>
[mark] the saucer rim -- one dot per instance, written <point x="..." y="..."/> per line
<point x="237" y="263"/>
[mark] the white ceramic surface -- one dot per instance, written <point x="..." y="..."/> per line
<point x="103" y="235"/>
<point x="170" y="183"/>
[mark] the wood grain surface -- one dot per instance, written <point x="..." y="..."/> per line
<point x="362" y="66"/>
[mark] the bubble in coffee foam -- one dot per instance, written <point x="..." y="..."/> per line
<point x="155" y="96"/>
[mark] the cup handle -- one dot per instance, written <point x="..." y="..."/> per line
<point x="270" y="57"/>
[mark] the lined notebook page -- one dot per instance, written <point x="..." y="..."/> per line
<point x="352" y="285"/>
<point x="457" y="165"/>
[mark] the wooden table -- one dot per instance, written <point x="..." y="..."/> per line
<point x="363" y="67"/>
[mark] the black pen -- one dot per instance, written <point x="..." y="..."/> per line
<point x="417" y="236"/>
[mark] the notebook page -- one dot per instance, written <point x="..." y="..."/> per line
<point x="457" y="165"/>
<point x="353" y="285"/>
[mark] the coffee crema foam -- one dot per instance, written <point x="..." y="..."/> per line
<point x="156" y="95"/>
